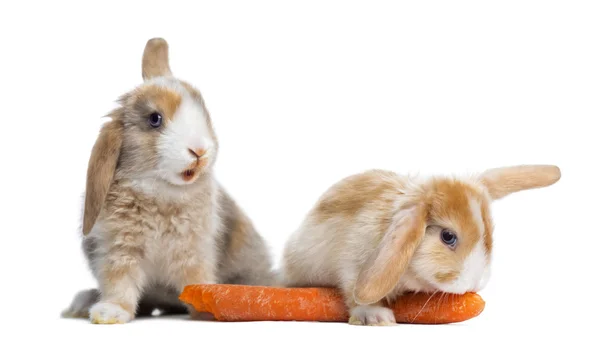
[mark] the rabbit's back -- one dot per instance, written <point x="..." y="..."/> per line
<point x="345" y="223"/>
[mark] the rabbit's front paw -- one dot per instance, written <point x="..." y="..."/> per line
<point x="372" y="315"/>
<point x="109" y="313"/>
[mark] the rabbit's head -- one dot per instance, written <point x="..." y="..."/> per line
<point x="160" y="134"/>
<point x="442" y="233"/>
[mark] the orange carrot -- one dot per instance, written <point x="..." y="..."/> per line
<point x="257" y="303"/>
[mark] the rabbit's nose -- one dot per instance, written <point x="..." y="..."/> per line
<point x="198" y="152"/>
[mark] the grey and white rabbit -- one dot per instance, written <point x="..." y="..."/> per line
<point x="155" y="219"/>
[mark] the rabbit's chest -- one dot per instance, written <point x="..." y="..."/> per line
<point x="172" y="241"/>
<point x="167" y="236"/>
<point x="166" y="227"/>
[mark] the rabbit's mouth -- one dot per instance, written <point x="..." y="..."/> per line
<point x="194" y="169"/>
<point x="188" y="174"/>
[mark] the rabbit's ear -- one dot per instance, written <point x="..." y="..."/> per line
<point x="503" y="181"/>
<point x="100" y="172"/>
<point x="155" y="61"/>
<point x="384" y="267"/>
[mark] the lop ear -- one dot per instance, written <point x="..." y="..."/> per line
<point x="100" y="172"/>
<point x="155" y="61"/>
<point x="384" y="267"/>
<point x="501" y="182"/>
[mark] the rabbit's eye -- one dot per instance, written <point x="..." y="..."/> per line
<point x="155" y="120"/>
<point x="449" y="238"/>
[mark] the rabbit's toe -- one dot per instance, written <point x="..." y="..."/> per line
<point x="109" y="313"/>
<point x="372" y="315"/>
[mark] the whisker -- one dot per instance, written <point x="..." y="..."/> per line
<point x="155" y="178"/>
<point x="430" y="297"/>
<point x="439" y="303"/>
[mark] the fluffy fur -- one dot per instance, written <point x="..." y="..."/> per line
<point x="377" y="235"/>
<point x="155" y="219"/>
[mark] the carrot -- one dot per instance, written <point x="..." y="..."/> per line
<point x="257" y="303"/>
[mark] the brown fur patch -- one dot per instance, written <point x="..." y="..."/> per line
<point x="501" y="182"/>
<point x="446" y="260"/>
<point x="239" y="236"/>
<point x="155" y="59"/>
<point x="488" y="227"/>
<point x="101" y="168"/>
<point x="351" y="195"/>
<point x="389" y="261"/>
<point x="113" y="273"/>
<point x="166" y="101"/>
<point x="237" y="227"/>
<point x="193" y="275"/>
<point x="446" y="276"/>
<point x="449" y="206"/>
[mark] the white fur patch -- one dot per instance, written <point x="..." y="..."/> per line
<point x="484" y="278"/>
<point x="188" y="129"/>
<point x="108" y="313"/>
<point x="475" y="208"/>
<point x="473" y="272"/>
<point x="308" y="259"/>
<point x="372" y="315"/>
<point x="167" y="82"/>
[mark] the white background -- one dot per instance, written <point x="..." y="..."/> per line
<point x="303" y="94"/>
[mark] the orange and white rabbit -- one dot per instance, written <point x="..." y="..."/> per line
<point x="378" y="234"/>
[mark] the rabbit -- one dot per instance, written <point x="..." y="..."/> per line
<point x="377" y="234"/>
<point x="154" y="218"/>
